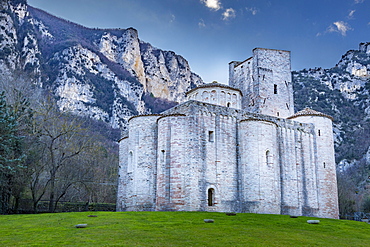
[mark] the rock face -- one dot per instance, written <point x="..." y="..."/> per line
<point x="107" y="74"/>
<point x="342" y="92"/>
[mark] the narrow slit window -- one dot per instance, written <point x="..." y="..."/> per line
<point x="211" y="197"/>
<point x="324" y="165"/>
<point x="211" y="136"/>
<point x="275" y="89"/>
<point x="163" y="156"/>
<point x="268" y="161"/>
<point x="130" y="161"/>
<point x="319" y="132"/>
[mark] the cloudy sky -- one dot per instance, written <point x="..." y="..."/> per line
<point x="211" y="33"/>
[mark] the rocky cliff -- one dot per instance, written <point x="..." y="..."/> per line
<point x="344" y="93"/>
<point x="105" y="74"/>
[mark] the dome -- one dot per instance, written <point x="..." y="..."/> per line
<point x="217" y="94"/>
<point x="309" y="112"/>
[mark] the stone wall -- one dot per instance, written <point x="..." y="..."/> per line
<point x="138" y="164"/>
<point x="208" y="155"/>
<point x="325" y="165"/>
<point x="265" y="81"/>
<point x="259" y="167"/>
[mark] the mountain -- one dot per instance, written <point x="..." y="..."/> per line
<point x="110" y="75"/>
<point x="105" y="74"/>
<point x="343" y="92"/>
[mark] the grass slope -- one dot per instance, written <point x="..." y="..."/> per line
<point x="177" y="229"/>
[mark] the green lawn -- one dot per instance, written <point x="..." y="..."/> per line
<point x="177" y="229"/>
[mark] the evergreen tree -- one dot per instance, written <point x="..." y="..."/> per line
<point x="10" y="153"/>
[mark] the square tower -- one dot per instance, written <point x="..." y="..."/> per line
<point x="265" y="81"/>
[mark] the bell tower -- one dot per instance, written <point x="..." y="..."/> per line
<point x="265" y="81"/>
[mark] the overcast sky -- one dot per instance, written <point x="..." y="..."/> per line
<point x="211" y="33"/>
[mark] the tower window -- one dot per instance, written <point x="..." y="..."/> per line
<point x="211" y="136"/>
<point x="211" y="197"/>
<point x="228" y="104"/>
<point x="319" y="132"/>
<point x="275" y="89"/>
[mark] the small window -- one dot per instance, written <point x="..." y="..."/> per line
<point x="130" y="161"/>
<point x="275" y="89"/>
<point x="324" y="165"/>
<point x="228" y="104"/>
<point x="268" y="161"/>
<point x="211" y="197"/>
<point x="319" y="132"/>
<point x="278" y="114"/>
<point x="211" y="136"/>
<point x="163" y="156"/>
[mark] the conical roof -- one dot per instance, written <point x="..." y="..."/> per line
<point x="309" y="112"/>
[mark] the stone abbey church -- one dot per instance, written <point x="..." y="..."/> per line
<point x="235" y="148"/>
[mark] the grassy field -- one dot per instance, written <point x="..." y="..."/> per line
<point x="177" y="229"/>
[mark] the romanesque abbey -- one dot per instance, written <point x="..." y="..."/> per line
<point x="235" y="148"/>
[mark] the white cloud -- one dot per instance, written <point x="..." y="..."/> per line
<point x="253" y="10"/>
<point x="359" y="1"/>
<point x="172" y="18"/>
<point x="351" y="14"/>
<point x="212" y="4"/>
<point x="229" y="13"/>
<point x="339" y="27"/>
<point x="201" y="23"/>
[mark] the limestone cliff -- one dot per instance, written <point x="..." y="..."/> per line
<point x="105" y="74"/>
<point x="344" y="93"/>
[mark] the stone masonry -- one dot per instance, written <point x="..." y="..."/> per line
<point x="236" y="148"/>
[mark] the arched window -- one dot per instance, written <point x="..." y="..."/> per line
<point x="205" y="96"/>
<point x="268" y="160"/>
<point x="223" y="98"/>
<point x="211" y="197"/>
<point x="163" y="156"/>
<point x="211" y="136"/>
<point x="130" y="161"/>
<point x="213" y="96"/>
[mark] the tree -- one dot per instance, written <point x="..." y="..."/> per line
<point x="10" y="153"/>
<point x="366" y="205"/>
<point x="60" y="140"/>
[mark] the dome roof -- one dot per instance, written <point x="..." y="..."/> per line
<point x="309" y="112"/>
<point x="214" y="84"/>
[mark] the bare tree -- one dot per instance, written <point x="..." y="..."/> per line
<point x="61" y="139"/>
